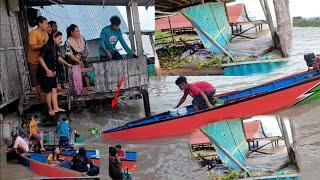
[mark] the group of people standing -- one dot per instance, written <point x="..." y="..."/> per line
<point x="48" y="63"/>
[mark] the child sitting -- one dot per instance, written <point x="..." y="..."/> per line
<point x="120" y="153"/>
<point x="54" y="157"/>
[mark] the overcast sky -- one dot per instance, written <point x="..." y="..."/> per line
<point x="304" y="8"/>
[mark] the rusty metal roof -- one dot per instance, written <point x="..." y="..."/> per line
<point x="87" y="2"/>
<point x="90" y="19"/>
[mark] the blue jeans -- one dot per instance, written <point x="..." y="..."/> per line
<point x="198" y="100"/>
<point x="115" y="56"/>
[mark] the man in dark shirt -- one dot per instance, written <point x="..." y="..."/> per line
<point x="114" y="165"/>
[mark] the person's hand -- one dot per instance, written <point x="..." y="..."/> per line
<point x="109" y="54"/>
<point x="210" y="106"/>
<point x="69" y="65"/>
<point x="50" y="73"/>
<point x="81" y="64"/>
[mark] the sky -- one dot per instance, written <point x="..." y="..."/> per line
<point x="305" y="8"/>
<point x="146" y="16"/>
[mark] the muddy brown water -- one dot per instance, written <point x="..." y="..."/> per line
<point x="170" y="158"/>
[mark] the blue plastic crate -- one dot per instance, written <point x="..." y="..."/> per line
<point x="131" y="155"/>
<point x="91" y="153"/>
<point x="39" y="157"/>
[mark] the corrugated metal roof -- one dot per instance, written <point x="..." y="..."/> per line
<point x="178" y="21"/>
<point x="90" y="19"/>
<point x="234" y="12"/>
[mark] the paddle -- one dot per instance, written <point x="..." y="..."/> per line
<point x="115" y="99"/>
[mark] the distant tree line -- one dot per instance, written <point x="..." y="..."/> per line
<point x="303" y="22"/>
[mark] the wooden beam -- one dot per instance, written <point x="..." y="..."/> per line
<point x="130" y="26"/>
<point x="136" y="25"/>
<point x="175" y="2"/>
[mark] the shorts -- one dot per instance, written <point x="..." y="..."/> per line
<point x="48" y="83"/>
<point x="198" y="100"/>
<point x="115" y="56"/>
<point x="63" y="141"/>
<point x="33" y="72"/>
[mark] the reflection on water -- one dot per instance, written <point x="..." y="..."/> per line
<point x="170" y="158"/>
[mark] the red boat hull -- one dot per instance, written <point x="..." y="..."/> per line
<point x="187" y="124"/>
<point x="49" y="170"/>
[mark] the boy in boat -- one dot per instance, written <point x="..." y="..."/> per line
<point x="202" y="92"/>
<point x="54" y="157"/>
<point x="20" y="146"/>
<point x="120" y="152"/>
<point x="63" y="130"/>
<point x="114" y="164"/>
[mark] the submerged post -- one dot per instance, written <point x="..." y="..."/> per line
<point x="146" y="103"/>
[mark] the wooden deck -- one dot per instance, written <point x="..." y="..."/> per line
<point x="107" y="76"/>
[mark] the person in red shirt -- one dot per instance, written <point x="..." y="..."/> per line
<point x="202" y="92"/>
<point x="120" y="153"/>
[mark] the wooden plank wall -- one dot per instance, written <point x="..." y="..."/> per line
<point x="13" y="74"/>
<point x="108" y="74"/>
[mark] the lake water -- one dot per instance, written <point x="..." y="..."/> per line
<point x="170" y="158"/>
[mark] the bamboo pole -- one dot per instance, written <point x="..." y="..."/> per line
<point x="171" y="30"/>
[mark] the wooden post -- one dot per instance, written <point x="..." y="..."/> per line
<point x="3" y="156"/>
<point x="171" y="30"/>
<point x="136" y="25"/>
<point x="131" y="34"/>
<point x="287" y="141"/>
<point x="146" y="102"/>
<point x="265" y="6"/>
<point x="294" y="145"/>
<point x="284" y="26"/>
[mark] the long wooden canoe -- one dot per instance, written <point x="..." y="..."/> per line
<point x="266" y="98"/>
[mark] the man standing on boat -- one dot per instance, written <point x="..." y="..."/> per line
<point x="109" y="37"/>
<point x="202" y="92"/>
